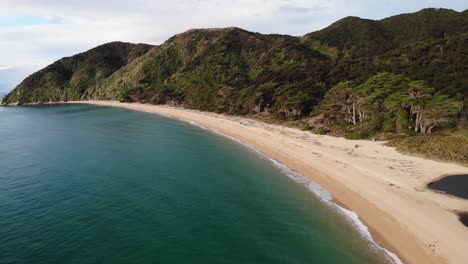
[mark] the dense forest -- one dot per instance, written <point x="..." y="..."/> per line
<point x="405" y="74"/>
<point x="390" y="103"/>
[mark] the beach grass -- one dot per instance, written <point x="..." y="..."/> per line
<point x="444" y="146"/>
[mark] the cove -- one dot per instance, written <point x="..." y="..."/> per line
<point x="89" y="184"/>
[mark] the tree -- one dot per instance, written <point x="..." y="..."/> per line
<point x="438" y="111"/>
<point x="398" y="103"/>
<point x="426" y="109"/>
<point x="373" y="94"/>
<point x="389" y="102"/>
<point x="419" y="95"/>
<point x="339" y="104"/>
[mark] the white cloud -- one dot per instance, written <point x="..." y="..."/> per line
<point x="5" y="67"/>
<point x="77" y="25"/>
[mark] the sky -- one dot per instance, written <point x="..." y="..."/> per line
<point x="35" y="33"/>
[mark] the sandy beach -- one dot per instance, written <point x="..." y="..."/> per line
<point x="385" y="188"/>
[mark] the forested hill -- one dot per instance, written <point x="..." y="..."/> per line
<point x="70" y="77"/>
<point x="379" y="63"/>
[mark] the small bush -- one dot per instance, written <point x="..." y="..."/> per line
<point x="321" y="131"/>
<point x="306" y="127"/>
<point x="410" y="132"/>
<point x="355" y="135"/>
<point x="388" y="126"/>
<point x="387" y="136"/>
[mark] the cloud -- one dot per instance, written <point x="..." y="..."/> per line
<point x="294" y="9"/>
<point x="5" y="67"/>
<point x="55" y="20"/>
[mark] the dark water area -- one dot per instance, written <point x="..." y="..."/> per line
<point x="456" y="185"/>
<point x="463" y="218"/>
<point x="87" y="184"/>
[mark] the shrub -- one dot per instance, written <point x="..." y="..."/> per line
<point x="321" y="131"/>
<point x="388" y="126"/>
<point x="355" y="135"/>
<point x="410" y="132"/>
<point x="306" y="127"/>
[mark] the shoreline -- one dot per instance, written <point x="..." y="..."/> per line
<point x="386" y="189"/>
<point x="323" y="195"/>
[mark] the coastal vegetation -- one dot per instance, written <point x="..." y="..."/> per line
<point x="449" y="145"/>
<point x="403" y="76"/>
<point x="388" y="103"/>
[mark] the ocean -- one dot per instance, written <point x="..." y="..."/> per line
<point x="92" y="184"/>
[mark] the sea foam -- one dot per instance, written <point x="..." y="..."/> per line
<point x="318" y="191"/>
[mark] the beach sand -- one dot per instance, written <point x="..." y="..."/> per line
<point x="385" y="188"/>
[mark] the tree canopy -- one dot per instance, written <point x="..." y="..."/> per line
<point x="388" y="102"/>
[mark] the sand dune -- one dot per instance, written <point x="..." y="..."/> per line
<point x="385" y="188"/>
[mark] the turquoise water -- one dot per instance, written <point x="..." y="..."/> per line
<point x="88" y="184"/>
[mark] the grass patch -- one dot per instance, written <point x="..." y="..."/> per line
<point x="451" y="147"/>
<point x="321" y="131"/>
<point x="306" y="127"/>
<point x="356" y="135"/>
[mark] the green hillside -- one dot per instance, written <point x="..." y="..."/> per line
<point x="405" y="74"/>
<point x="68" y="78"/>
